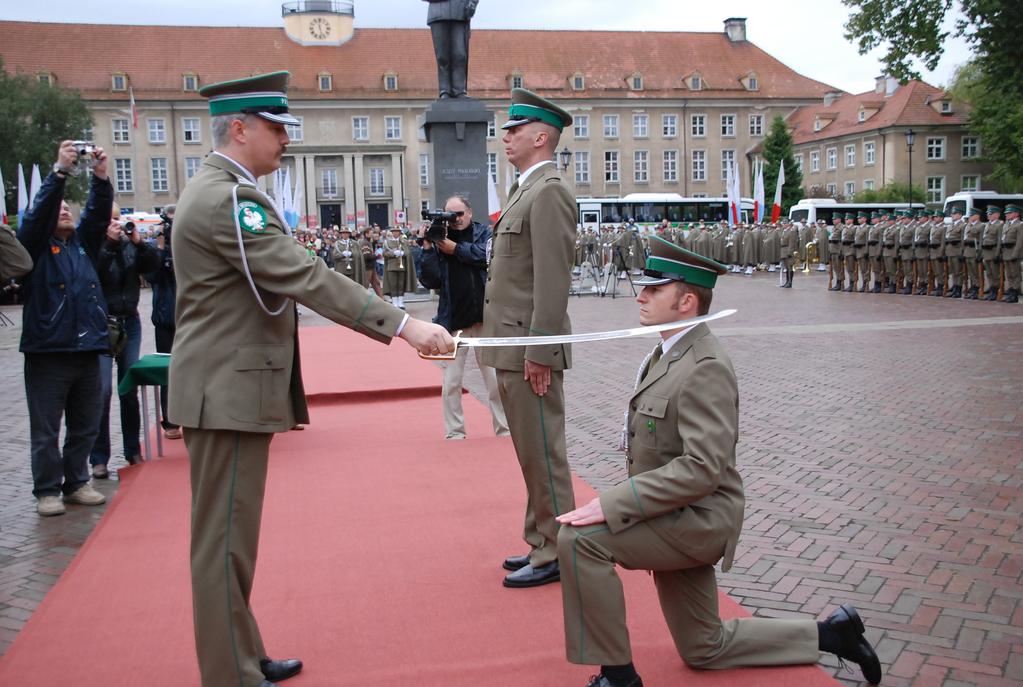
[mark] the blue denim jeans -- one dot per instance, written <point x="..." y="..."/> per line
<point x="130" y="418"/>
<point x="61" y="385"/>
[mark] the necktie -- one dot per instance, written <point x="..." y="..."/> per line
<point x="655" y="355"/>
<point x="514" y="188"/>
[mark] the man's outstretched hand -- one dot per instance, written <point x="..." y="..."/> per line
<point x="427" y="338"/>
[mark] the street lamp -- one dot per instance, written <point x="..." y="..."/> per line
<point x="910" y="139"/>
<point x="564" y="158"/>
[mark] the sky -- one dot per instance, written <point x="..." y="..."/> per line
<point x="804" y="34"/>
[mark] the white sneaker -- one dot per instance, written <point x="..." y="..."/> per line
<point x="49" y="505"/>
<point x="85" y="496"/>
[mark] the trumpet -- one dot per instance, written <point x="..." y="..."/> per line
<point x="811" y="255"/>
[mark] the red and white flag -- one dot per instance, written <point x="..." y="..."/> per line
<point x="3" y="200"/>
<point x="759" y="209"/>
<point x="493" y="200"/>
<point x="776" y="208"/>
<point x="134" y="110"/>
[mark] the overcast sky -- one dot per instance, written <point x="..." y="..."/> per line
<point x="804" y="34"/>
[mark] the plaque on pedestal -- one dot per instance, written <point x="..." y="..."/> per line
<point x="457" y="128"/>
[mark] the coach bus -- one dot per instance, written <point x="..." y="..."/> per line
<point x="966" y="201"/>
<point x="812" y="209"/>
<point x="648" y="209"/>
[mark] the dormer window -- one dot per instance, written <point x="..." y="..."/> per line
<point x="636" y="82"/>
<point x="946" y="107"/>
<point x="695" y="82"/>
<point x="118" y="82"/>
<point x="578" y="82"/>
<point x="752" y="82"/>
<point x="516" y="80"/>
<point x="861" y="116"/>
<point x="390" y="81"/>
<point x="190" y="82"/>
<point x="325" y="82"/>
<point x="817" y="125"/>
<point x="45" y="78"/>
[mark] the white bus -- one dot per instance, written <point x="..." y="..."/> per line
<point x="649" y="209"/>
<point x="812" y="209"/>
<point x="966" y="201"/>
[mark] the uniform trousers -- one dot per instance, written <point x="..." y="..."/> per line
<point x="1012" y="274"/>
<point x="972" y="272"/>
<point x="937" y="274"/>
<point x="877" y="269"/>
<point x="955" y="266"/>
<point x="908" y="272"/>
<point x="228" y="475"/>
<point x="891" y="269"/>
<point x="394" y="282"/>
<point x="537" y="425"/>
<point x="454" y="372"/>
<point x="837" y="267"/>
<point x="991" y="275"/>
<point x="594" y="604"/>
<point x="863" y="265"/>
<point x="850" y="268"/>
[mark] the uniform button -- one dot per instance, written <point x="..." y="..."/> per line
<point x="633" y="406"/>
<point x="625" y="521"/>
<point x="486" y="300"/>
<point x="518" y="322"/>
<point x="632" y="434"/>
<point x="380" y="323"/>
<point x="631" y="461"/>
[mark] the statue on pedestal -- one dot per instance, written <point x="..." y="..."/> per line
<point x="449" y="23"/>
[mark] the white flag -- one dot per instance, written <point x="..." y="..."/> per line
<point x="296" y="203"/>
<point x="3" y="200"/>
<point x="22" y="195"/>
<point x="34" y="186"/>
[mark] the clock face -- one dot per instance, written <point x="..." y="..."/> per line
<point x="319" y="28"/>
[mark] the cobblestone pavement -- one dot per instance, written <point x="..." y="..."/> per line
<point x="881" y="446"/>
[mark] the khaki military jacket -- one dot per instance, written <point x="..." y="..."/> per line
<point x="922" y="240"/>
<point x="392" y="262"/>
<point x="354" y="265"/>
<point x="971" y="239"/>
<point x="937" y="240"/>
<point x="1012" y="240"/>
<point x="848" y="240"/>
<point x="835" y="238"/>
<point x="954" y="239"/>
<point x="874" y="240"/>
<point x="821" y="239"/>
<point x="906" y="249"/>
<point x="530" y="272"/>
<point x="860" y="240"/>
<point x="789" y="244"/>
<point x="683" y="425"/>
<point x="990" y="237"/>
<point x="235" y="367"/>
<point x="890" y="240"/>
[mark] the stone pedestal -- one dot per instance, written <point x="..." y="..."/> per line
<point x="457" y="128"/>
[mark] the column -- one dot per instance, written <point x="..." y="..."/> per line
<point x="397" y="184"/>
<point x="348" y="181"/>
<point x="360" y="190"/>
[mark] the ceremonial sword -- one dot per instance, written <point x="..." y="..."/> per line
<point x="476" y="342"/>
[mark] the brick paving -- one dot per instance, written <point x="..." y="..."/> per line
<point x="881" y="446"/>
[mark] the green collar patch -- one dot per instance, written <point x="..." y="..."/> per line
<point x="252" y="217"/>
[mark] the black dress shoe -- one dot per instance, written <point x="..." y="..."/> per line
<point x="280" y="670"/>
<point x="602" y="681"/>
<point x="514" y="563"/>
<point x="528" y="576"/>
<point x="846" y="624"/>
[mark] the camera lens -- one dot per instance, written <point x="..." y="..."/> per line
<point x="129" y="227"/>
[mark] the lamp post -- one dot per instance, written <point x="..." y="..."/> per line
<point x="564" y="158"/>
<point x="910" y="139"/>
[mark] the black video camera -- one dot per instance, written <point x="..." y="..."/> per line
<point x="440" y="221"/>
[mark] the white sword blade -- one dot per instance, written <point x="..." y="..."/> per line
<point x="475" y="342"/>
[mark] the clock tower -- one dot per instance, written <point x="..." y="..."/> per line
<point x="319" y="22"/>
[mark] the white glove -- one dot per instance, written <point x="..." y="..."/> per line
<point x="399" y="253"/>
<point x="346" y="253"/>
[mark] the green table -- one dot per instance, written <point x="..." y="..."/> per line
<point x="150" y="370"/>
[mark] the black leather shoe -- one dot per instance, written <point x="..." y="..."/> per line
<point x="528" y="576"/>
<point x="846" y="623"/>
<point x="514" y="563"/>
<point x="280" y="670"/>
<point x="602" y="681"/>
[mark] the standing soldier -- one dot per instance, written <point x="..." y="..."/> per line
<point x="835" y="253"/>
<point x="874" y="248"/>
<point x="751" y="248"/>
<point x="1012" y="252"/>
<point x="849" y="250"/>
<point x="772" y="247"/>
<point x="890" y="251"/>
<point x="937" y="254"/>
<point x="789" y="246"/>
<point x="989" y="240"/>
<point x="820" y="239"/>
<point x="861" y="249"/>
<point x="907" y="252"/>
<point x="922" y="253"/>
<point x="954" y="254"/>
<point x="396" y="255"/>
<point x="971" y="253"/>
<point x="735" y="247"/>
<point x="348" y="257"/>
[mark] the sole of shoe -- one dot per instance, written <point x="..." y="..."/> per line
<point x="514" y="584"/>
<point x="514" y="566"/>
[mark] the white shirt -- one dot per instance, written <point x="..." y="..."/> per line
<point x="242" y="167"/>
<point x="538" y="165"/>
<point x="667" y="344"/>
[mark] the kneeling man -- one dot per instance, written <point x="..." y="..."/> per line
<point x="681" y="509"/>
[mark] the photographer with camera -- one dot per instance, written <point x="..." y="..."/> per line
<point x="64" y="328"/>
<point x="455" y="262"/>
<point x="162" y="281"/>
<point x="123" y="259"/>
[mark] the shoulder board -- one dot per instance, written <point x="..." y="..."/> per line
<point x="703" y="351"/>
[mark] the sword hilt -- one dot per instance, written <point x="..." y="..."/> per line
<point x="444" y="356"/>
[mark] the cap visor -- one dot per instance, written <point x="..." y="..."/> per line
<point x="512" y="123"/>
<point x="279" y="118"/>
<point x="650" y="281"/>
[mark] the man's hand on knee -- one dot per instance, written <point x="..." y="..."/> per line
<point x="590" y="514"/>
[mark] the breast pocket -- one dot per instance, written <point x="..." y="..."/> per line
<point x="259" y="392"/>
<point x="508" y="240"/>
<point x="648" y="419"/>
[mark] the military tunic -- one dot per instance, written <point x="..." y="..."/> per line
<point x="971" y="255"/>
<point x="991" y="235"/>
<point x="937" y="258"/>
<point x="953" y="243"/>
<point x="348" y="261"/>
<point x="1012" y="252"/>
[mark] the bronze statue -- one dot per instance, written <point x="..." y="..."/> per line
<point x="449" y="23"/>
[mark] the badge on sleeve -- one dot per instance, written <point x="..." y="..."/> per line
<point x="252" y="217"/>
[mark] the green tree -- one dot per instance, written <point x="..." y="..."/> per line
<point x="911" y="30"/>
<point x="892" y="192"/>
<point x="777" y="147"/>
<point x="34" y="119"/>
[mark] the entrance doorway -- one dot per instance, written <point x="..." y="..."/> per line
<point x="330" y="214"/>
<point x="378" y="214"/>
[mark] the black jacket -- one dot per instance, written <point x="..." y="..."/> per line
<point x="467" y="303"/>
<point x="164" y="285"/>
<point x="120" y="266"/>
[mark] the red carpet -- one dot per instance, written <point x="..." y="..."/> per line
<point x="379" y="562"/>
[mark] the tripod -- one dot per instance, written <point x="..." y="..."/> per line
<point x="611" y="281"/>
<point x="589" y="258"/>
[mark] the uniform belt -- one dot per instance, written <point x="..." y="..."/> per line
<point x="871" y="243"/>
<point x="889" y="245"/>
<point x="835" y="241"/>
<point x="951" y="243"/>
<point x="990" y="245"/>
<point x="921" y="243"/>
<point x="1008" y="245"/>
<point x="935" y="245"/>
<point x="847" y="243"/>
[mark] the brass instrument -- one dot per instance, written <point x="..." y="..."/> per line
<point x="348" y="248"/>
<point x="811" y="255"/>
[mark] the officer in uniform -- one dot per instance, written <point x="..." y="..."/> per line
<point x="954" y="254"/>
<point x="907" y="252"/>
<point x="890" y="251"/>
<point x="990" y="237"/>
<point x="397" y="259"/>
<point x="874" y="249"/>
<point x="922" y="253"/>
<point x="680" y="511"/>
<point x="527" y="294"/>
<point x="348" y="257"/>
<point x="1012" y="251"/>
<point x="235" y="377"/>
<point x="971" y="253"/>
<point x="835" y="253"/>
<point x="789" y="247"/>
<point x="862" y="253"/>
<point x="849" y="250"/>
<point x="937" y="254"/>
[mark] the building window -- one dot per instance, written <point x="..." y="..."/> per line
<point x="671" y="166"/>
<point x="492" y="126"/>
<point x="946" y="107"/>
<point x="610" y="126"/>
<point x="157" y="130"/>
<point x="850" y="156"/>
<point x="159" y="169"/>
<point x="582" y="167"/>
<point x="936" y="148"/>
<point x="832" y="190"/>
<point x="189" y="82"/>
<point x="492" y="166"/>
<point x="970" y="182"/>
<point x="636" y="82"/>
<point x="123" y="175"/>
<point x="611" y="166"/>
<point x="360" y="128"/>
<point x="799" y="162"/>
<point x="971" y="147"/>
<point x="392" y="128"/>
<point x="640" y="126"/>
<point x="728" y="125"/>
<point x="669" y="126"/>
<point x="815" y="160"/>
<point x="582" y="126"/>
<point x="120" y="131"/>
<point x="376" y="181"/>
<point x="424" y="169"/>
<point x="294" y="130"/>
<point x="869" y="152"/>
<point x="727" y="160"/>
<point x="118" y="82"/>
<point x="935" y="189"/>
<point x="424" y="205"/>
<point x="698" y="125"/>
<point x="45" y="78"/>
<point x="390" y="82"/>
<point x="696" y="83"/>
<point x="192" y="165"/>
<point x="325" y="82"/>
<point x="816" y="125"/>
<point x="850" y="190"/>
<point x="832" y="154"/>
<point x="861" y="116"/>
<point x="641" y="166"/>
<point x="756" y="125"/>
<point x="753" y="83"/>
<point x="868" y="184"/>
<point x="578" y="82"/>
<point x="699" y="165"/>
<point x="517" y="81"/>
<point x="328" y="182"/>
<point x="191" y="128"/>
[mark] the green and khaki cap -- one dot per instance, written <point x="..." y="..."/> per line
<point x="265" y="95"/>
<point x="992" y="209"/>
<point x="1012" y="208"/>
<point x="668" y="263"/>
<point x="527" y="107"/>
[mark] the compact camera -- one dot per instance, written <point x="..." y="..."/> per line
<point x="129" y="228"/>
<point x="86" y="156"/>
